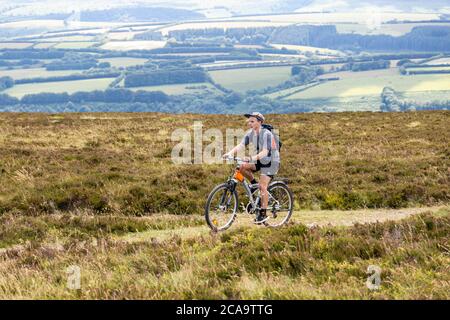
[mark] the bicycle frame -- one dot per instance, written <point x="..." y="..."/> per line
<point x="247" y="186"/>
<point x="227" y="192"/>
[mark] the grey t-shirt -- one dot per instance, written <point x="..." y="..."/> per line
<point x="264" y="140"/>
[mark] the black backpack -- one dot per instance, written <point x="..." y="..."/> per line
<point x="277" y="138"/>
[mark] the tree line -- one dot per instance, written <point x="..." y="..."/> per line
<point x="366" y="65"/>
<point x="6" y="82"/>
<point x="21" y="62"/>
<point x="123" y="100"/>
<point x="258" y="35"/>
<point x="107" y="96"/>
<point x="76" y="65"/>
<point x="81" y="76"/>
<point x="166" y="77"/>
<point x="419" y="71"/>
<point x="31" y="54"/>
<point x="421" y="38"/>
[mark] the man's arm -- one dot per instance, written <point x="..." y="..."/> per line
<point x="259" y="156"/>
<point x="234" y="150"/>
<point x="245" y="141"/>
<point x="266" y="148"/>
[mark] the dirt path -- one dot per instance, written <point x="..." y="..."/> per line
<point x="308" y="217"/>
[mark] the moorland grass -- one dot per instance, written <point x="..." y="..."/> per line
<point x="295" y="262"/>
<point x="119" y="164"/>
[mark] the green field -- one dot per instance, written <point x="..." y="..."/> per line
<point x="35" y="73"/>
<point x="122" y="36"/>
<point x="341" y="104"/>
<point x="282" y="57"/>
<point x="362" y="74"/>
<point x="20" y="90"/>
<point x="133" y="45"/>
<point x="183" y="88"/>
<point x="74" y="45"/>
<point x="240" y="64"/>
<point x="74" y="38"/>
<point x="245" y="79"/>
<point x="393" y="29"/>
<point x="123" y="61"/>
<point x="373" y="86"/>
<point x="302" y="49"/>
<point x="290" y="91"/>
<point x="439" y="61"/>
<point x="44" y="45"/>
<point x="427" y="96"/>
<point x="15" y="45"/>
<point x="430" y="69"/>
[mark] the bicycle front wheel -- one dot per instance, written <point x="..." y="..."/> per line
<point x="281" y="204"/>
<point x="221" y="207"/>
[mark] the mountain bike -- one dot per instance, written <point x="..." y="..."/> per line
<point x="222" y="205"/>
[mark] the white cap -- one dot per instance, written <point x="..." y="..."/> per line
<point x="257" y="115"/>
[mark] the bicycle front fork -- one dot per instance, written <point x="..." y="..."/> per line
<point x="224" y="201"/>
<point x="232" y="185"/>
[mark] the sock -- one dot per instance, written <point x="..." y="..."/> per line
<point x="262" y="212"/>
<point x="253" y="181"/>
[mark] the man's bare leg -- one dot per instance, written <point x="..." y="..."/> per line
<point x="263" y="185"/>
<point x="247" y="170"/>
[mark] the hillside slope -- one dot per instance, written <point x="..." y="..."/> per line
<point x="376" y="5"/>
<point x="120" y="163"/>
<point x="217" y="8"/>
<point x="98" y="193"/>
<point x="295" y="262"/>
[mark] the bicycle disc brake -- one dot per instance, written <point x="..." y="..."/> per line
<point x="249" y="208"/>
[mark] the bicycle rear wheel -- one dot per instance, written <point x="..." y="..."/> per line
<point x="221" y="207"/>
<point x="281" y="204"/>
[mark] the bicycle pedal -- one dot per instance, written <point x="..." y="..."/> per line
<point x="262" y="221"/>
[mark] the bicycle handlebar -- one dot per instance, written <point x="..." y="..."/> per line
<point x="236" y="159"/>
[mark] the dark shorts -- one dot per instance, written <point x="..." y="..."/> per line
<point x="269" y="169"/>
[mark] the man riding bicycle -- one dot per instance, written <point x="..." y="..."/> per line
<point x="266" y="160"/>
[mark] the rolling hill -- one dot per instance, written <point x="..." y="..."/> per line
<point x="218" y="8"/>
